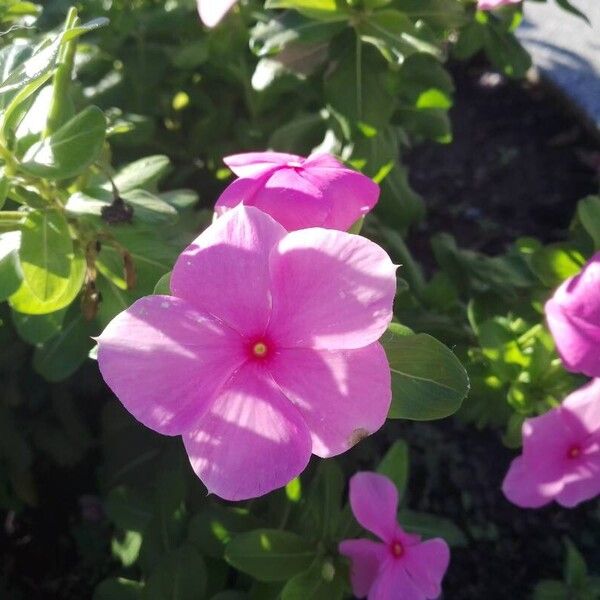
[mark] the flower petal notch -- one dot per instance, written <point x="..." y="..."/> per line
<point x="400" y="565"/>
<point x="299" y="192"/>
<point x="573" y="315"/>
<point x="561" y="454"/>
<point x="254" y="380"/>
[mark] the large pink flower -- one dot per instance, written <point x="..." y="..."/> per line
<point x="212" y="11"/>
<point x="401" y="566"/>
<point x="298" y="192"/>
<point x="573" y="315"/>
<point x="561" y="454"/>
<point x="493" y="4"/>
<point x="265" y="352"/>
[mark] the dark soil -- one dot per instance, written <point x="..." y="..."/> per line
<point x="517" y="166"/>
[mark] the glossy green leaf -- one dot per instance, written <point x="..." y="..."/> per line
<point x="143" y="173"/>
<point x="118" y="589"/>
<point x="180" y="575"/>
<point x="46" y="254"/>
<point x="37" y="329"/>
<point x="269" y="554"/>
<point x="10" y="271"/>
<point x="163" y="286"/>
<point x="71" y="149"/>
<point x="556" y="262"/>
<point x="428" y="381"/>
<point x="23" y="300"/>
<point x="588" y="212"/>
<point x="321" y="581"/>
<point x="325" y="10"/>
<point x="395" y="465"/>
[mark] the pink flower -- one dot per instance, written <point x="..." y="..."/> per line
<point x="493" y="4"/>
<point x="561" y="454"/>
<point x="212" y="11"/>
<point x="265" y="352"/>
<point x="400" y="567"/>
<point x="573" y="315"/>
<point x="298" y="192"/>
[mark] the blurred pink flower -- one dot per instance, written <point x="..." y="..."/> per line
<point x="561" y="454"/>
<point x="492" y="4"/>
<point x="573" y="315"/>
<point x="212" y="11"/>
<point x="298" y="192"/>
<point x="401" y="566"/>
<point x="265" y="352"/>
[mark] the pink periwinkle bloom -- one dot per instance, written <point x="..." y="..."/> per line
<point x="561" y="454"/>
<point x="212" y="11"/>
<point x="573" y="316"/>
<point x="401" y="566"/>
<point x="298" y="192"/>
<point x="265" y="352"/>
<point x="493" y="4"/>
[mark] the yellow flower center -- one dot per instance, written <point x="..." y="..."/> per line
<point x="260" y="350"/>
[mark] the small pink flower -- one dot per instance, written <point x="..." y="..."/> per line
<point x="401" y="566"/>
<point x="493" y="4"/>
<point x="573" y="316"/>
<point x="265" y="352"/>
<point x="298" y="192"/>
<point x="212" y="11"/>
<point x="561" y="454"/>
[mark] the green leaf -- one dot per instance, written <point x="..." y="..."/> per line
<point x="321" y="581"/>
<point x="71" y="149"/>
<point x="118" y="589"/>
<point x="550" y="589"/>
<point x="125" y="546"/>
<point x="23" y="300"/>
<point x="128" y="509"/>
<point x="180" y="575"/>
<point x="163" y="286"/>
<point x="428" y="381"/>
<point x="588" y="212"/>
<point x="505" y="51"/>
<point x="395" y="465"/>
<point x="46" y="254"/>
<point x="324" y="10"/>
<point x="37" y="329"/>
<point x="431" y="526"/>
<point x="441" y="14"/>
<point x="575" y="568"/>
<point x="64" y="353"/>
<point x="269" y="554"/>
<point x="556" y="262"/>
<point x="10" y="275"/>
<point x="143" y="173"/>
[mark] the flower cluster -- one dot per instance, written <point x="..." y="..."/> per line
<point x="561" y="449"/>
<point x="266" y="350"/>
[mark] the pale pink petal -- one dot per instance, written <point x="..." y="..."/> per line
<point x="212" y="11"/>
<point x="394" y="583"/>
<point x="256" y="164"/>
<point x="584" y="404"/>
<point x="165" y="361"/>
<point x="331" y="290"/>
<point x="374" y="502"/>
<point x="573" y="315"/>
<point x="492" y="4"/>
<point x="426" y="563"/>
<point x="583" y="482"/>
<point x="240" y="191"/>
<point x="352" y="195"/>
<point x="523" y="488"/>
<point x="365" y="558"/>
<point x="225" y="271"/>
<point x="251" y="441"/>
<point x="343" y="395"/>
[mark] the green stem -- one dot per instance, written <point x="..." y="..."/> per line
<point x="62" y="79"/>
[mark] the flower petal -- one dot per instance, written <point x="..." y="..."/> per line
<point x="374" y="502"/>
<point x="584" y="405"/>
<point x="365" y="558"/>
<point x="212" y="11"/>
<point x="251" y="441"/>
<point x="240" y="191"/>
<point x="343" y="395"/>
<point x="331" y="290"/>
<point x="394" y="583"/>
<point x="426" y="563"/>
<point x="225" y="270"/>
<point x="583" y="482"/>
<point x="165" y="360"/>
<point x="253" y="164"/>
<point x="521" y="489"/>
